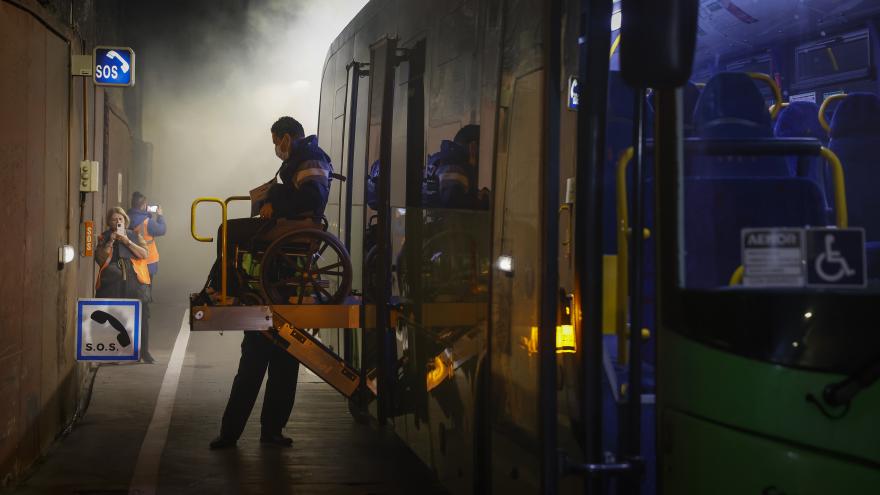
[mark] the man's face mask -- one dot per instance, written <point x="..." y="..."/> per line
<point x="282" y="149"/>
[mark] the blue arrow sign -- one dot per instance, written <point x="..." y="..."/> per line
<point x="114" y="66"/>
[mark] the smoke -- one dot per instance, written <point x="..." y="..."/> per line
<point x="214" y="79"/>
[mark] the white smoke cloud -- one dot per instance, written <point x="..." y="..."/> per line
<point x="209" y="121"/>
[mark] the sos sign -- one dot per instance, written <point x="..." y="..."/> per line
<point x="114" y="66"/>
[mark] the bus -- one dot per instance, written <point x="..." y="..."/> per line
<point x="524" y="340"/>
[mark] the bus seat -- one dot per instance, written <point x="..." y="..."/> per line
<point x="712" y="241"/>
<point x="732" y="107"/>
<point x="801" y="119"/>
<point x="855" y="138"/>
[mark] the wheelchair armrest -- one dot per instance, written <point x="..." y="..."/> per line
<point x="325" y="224"/>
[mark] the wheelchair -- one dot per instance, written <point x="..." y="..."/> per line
<point x="292" y="262"/>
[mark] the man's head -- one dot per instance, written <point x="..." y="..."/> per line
<point x="469" y="138"/>
<point x="138" y="201"/>
<point x="284" y="132"/>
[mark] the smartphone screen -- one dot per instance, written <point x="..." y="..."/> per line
<point x="153" y="208"/>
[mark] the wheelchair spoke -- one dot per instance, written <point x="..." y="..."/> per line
<point x="329" y="267"/>
<point x="322" y="291"/>
<point x="323" y="248"/>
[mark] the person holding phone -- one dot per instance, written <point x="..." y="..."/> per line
<point x="122" y="273"/>
<point x="148" y="221"/>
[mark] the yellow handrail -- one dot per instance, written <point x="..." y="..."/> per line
<point x="614" y="46"/>
<point x="839" y="186"/>
<point x="737" y="276"/>
<point x="773" y="106"/>
<point x="223" y="235"/>
<point x="622" y="253"/>
<point x="824" y="106"/>
<point x="777" y="94"/>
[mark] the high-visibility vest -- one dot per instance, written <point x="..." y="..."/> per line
<point x="141" y="270"/>
<point x="152" y="250"/>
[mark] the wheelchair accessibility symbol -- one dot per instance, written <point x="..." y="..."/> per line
<point x="836" y="257"/>
<point x="832" y="257"/>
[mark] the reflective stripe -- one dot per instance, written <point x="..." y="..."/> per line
<point x="152" y="249"/>
<point x="310" y="172"/>
<point x="455" y="177"/>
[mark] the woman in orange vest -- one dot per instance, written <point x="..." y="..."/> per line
<point x="123" y="272"/>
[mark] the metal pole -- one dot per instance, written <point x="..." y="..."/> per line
<point x="593" y="76"/>
<point x="631" y="426"/>
<point x="550" y="249"/>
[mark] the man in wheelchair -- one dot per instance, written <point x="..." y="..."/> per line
<point x="298" y="201"/>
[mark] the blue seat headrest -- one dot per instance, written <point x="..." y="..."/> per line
<point x="800" y="119"/>
<point x="731" y="106"/>
<point x="857" y="115"/>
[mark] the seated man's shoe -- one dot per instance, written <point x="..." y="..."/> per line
<point x="221" y="442"/>
<point x="276" y="440"/>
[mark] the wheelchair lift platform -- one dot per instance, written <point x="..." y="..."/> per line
<point x="285" y="326"/>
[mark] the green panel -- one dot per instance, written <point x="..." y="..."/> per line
<point x="701" y="457"/>
<point x="764" y="398"/>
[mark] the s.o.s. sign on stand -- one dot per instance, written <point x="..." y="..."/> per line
<point x="108" y="330"/>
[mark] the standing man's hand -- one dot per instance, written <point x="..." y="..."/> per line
<point x="159" y="210"/>
<point x="266" y="211"/>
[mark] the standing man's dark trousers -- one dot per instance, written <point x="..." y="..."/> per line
<point x="257" y="354"/>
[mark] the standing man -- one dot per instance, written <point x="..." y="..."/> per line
<point x="149" y="227"/>
<point x="305" y="186"/>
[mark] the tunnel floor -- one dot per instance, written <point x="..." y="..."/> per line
<point x="331" y="454"/>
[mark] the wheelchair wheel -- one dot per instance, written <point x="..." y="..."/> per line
<point x="307" y="266"/>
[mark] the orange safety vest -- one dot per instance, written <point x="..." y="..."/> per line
<point x="141" y="269"/>
<point x="152" y="250"/>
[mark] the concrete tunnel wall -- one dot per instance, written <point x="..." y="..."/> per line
<point x="41" y="145"/>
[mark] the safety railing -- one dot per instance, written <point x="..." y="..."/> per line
<point x="777" y="94"/>
<point x="822" y="108"/>
<point x="224" y="208"/>
<point x="753" y="147"/>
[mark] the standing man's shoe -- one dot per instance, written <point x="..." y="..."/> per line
<point x="278" y="440"/>
<point x="221" y="443"/>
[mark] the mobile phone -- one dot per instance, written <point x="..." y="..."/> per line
<point x="120" y="229"/>
<point x="153" y="208"/>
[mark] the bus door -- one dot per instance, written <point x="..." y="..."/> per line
<point x="379" y="349"/>
<point x="609" y="390"/>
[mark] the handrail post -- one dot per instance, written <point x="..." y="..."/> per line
<point x="223" y="237"/>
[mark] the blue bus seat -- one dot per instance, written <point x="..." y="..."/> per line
<point x="801" y="119"/>
<point x="855" y="138"/>
<point x="718" y="208"/>
<point x="732" y="107"/>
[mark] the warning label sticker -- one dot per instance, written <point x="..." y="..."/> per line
<point x="773" y="257"/>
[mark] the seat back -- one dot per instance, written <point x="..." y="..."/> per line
<point x="731" y="107"/>
<point x="855" y="138"/>
<point x="717" y="209"/>
<point x="800" y="119"/>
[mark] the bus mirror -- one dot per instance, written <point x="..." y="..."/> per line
<point x="657" y="42"/>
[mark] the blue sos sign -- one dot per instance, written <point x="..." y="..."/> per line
<point x="114" y="66"/>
